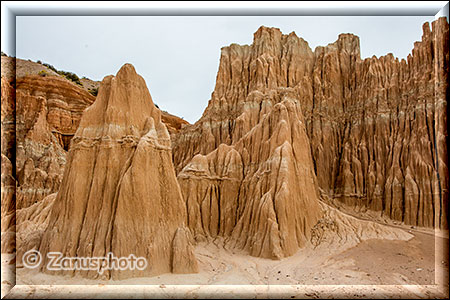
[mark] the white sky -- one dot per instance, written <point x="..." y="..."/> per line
<point x="179" y="56"/>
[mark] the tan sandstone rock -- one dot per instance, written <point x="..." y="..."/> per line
<point x="32" y="222"/>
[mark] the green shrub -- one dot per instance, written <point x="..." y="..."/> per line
<point x="93" y="92"/>
<point x="42" y="73"/>
<point x="70" y="76"/>
<point x="50" y="67"/>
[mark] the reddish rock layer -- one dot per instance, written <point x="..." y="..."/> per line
<point x="48" y="113"/>
<point x="173" y="123"/>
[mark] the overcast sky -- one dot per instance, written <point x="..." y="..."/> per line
<point x="179" y="56"/>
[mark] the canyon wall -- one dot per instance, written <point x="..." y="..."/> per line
<point x="378" y="132"/>
<point x="377" y="127"/>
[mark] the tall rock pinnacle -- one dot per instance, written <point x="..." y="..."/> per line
<point x="119" y="192"/>
<point x="245" y="168"/>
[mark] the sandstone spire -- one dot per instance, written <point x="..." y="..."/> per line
<point x="119" y="192"/>
<point x="245" y="168"/>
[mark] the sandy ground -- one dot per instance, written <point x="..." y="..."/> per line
<point x="373" y="268"/>
<point x="8" y="273"/>
<point x="380" y="262"/>
<point x="404" y="262"/>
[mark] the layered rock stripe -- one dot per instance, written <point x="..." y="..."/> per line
<point x="48" y="113"/>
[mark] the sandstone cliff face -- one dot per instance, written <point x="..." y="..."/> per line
<point x="8" y="183"/>
<point x="47" y="113"/>
<point x="243" y="72"/>
<point x="119" y="192"/>
<point x="377" y="127"/>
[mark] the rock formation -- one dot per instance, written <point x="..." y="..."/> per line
<point x="119" y="192"/>
<point x="251" y="177"/>
<point x="39" y="117"/>
<point x="32" y="222"/>
<point x="377" y="127"/>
